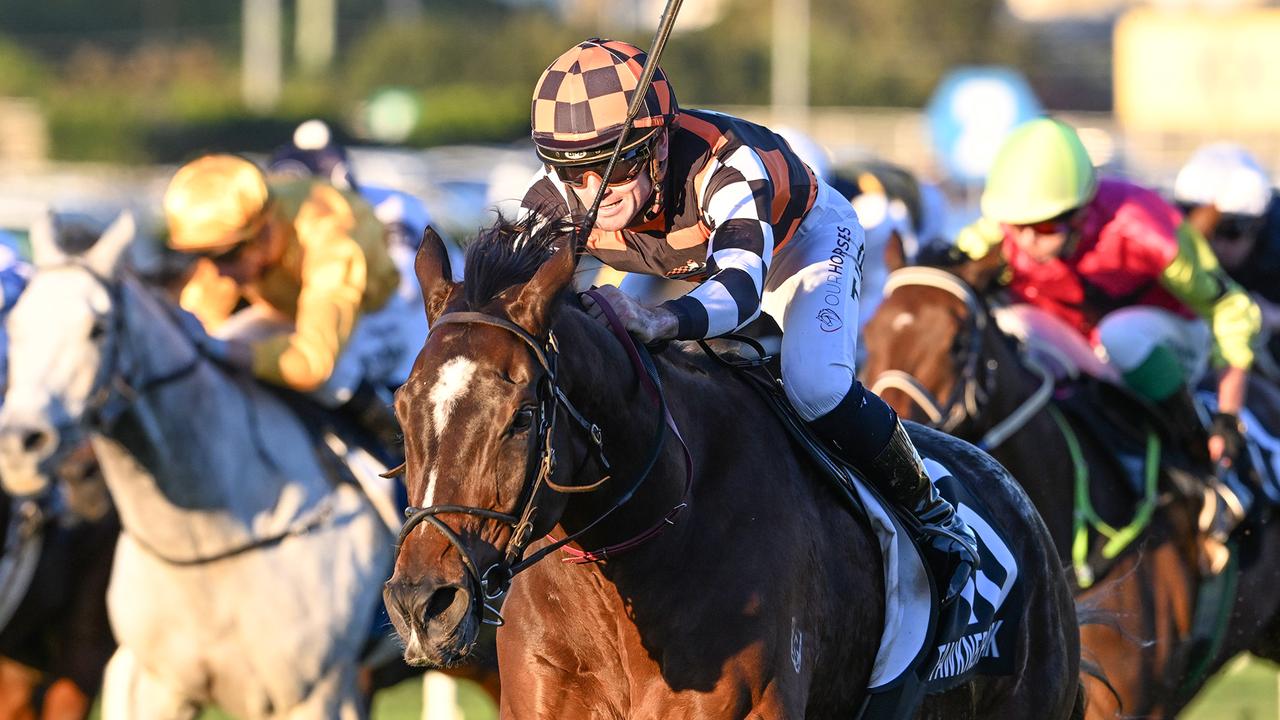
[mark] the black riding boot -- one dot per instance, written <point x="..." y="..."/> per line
<point x="897" y="471"/>
<point x="370" y="411"/>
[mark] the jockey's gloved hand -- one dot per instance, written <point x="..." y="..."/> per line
<point x="1227" y="427"/>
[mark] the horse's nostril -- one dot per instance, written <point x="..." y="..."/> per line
<point x="34" y="440"/>
<point x="440" y="601"/>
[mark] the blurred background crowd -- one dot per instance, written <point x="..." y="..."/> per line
<point x="435" y="92"/>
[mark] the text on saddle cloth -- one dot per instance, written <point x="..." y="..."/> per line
<point x="923" y="651"/>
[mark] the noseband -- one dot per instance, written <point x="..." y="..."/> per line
<point x="492" y="584"/>
<point x="977" y="380"/>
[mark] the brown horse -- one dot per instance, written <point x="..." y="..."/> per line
<point x="746" y="588"/>
<point x="942" y="336"/>
<point x="56" y="641"/>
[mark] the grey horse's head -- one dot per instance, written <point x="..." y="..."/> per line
<point x="60" y="335"/>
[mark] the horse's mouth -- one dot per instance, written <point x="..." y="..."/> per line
<point x="454" y="648"/>
<point x="24" y="477"/>
<point x="439" y="625"/>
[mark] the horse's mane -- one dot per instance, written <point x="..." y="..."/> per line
<point x="508" y="253"/>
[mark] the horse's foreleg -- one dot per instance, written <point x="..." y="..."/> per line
<point x="130" y="692"/>
<point x="336" y="697"/>
<point x="17" y="684"/>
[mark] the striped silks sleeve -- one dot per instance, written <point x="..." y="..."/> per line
<point x="736" y="203"/>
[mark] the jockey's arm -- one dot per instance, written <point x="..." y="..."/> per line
<point x="737" y="207"/>
<point x="1195" y="277"/>
<point x="335" y="279"/>
<point x="979" y="238"/>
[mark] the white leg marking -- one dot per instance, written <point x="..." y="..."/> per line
<point x="451" y="385"/>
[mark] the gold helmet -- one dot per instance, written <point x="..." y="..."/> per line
<point x="212" y="202"/>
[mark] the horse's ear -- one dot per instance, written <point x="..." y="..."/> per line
<point x="105" y="255"/>
<point x="532" y="307"/>
<point x="435" y="276"/>
<point x="45" y="250"/>
<point x="982" y="273"/>
<point x="895" y="255"/>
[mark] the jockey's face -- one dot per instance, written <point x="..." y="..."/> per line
<point x="1233" y="238"/>
<point x="622" y="202"/>
<point x="246" y="262"/>
<point x="1044" y="241"/>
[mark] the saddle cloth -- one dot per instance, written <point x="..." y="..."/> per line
<point x="923" y="652"/>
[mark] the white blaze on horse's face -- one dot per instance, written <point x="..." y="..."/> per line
<point x="55" y="349"/>
<point x="452" y="383"/>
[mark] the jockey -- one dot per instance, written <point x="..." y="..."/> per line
<point x="1228" y="197"/>
<point x="1117" y="263"/>
<point x="312" y="263"/>
<point x="714" y="200"/>
<point x="313" y="153"/>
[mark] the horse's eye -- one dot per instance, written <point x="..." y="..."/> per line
<point x="522" y="421"/>
<point x="97" y="331"/>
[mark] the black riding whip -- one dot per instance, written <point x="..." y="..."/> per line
<point x="646" y="77"/>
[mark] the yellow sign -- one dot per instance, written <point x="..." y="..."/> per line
<point x="1198" y="71"/>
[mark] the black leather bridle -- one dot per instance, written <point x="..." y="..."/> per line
<point x="492" y="583"/>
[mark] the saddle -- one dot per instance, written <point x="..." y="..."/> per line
<point x="925" y="648"/>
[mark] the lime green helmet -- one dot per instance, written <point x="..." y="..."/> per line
<point x="1041" y="172"/>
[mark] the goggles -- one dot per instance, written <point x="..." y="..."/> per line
<point x="1052" y="226"/>
<point x="243" y="239"/>
<point x="629" y="165"/>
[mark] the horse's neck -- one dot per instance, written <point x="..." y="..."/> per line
<point x="188" y="453"/>
<point x="606" y="389"/>
<point x="1014" y="384"/>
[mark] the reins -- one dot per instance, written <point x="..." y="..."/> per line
<point x="493" y="582"/>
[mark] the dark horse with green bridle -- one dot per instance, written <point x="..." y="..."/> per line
<point x="713" y="572"/>
<point x="937" y="338"/>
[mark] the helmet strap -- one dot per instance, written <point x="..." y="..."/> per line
<point x="1074" y="233"/>
<point x="658" y="174"/>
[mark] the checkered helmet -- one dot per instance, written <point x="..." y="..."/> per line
<point x="580" y="103"/>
